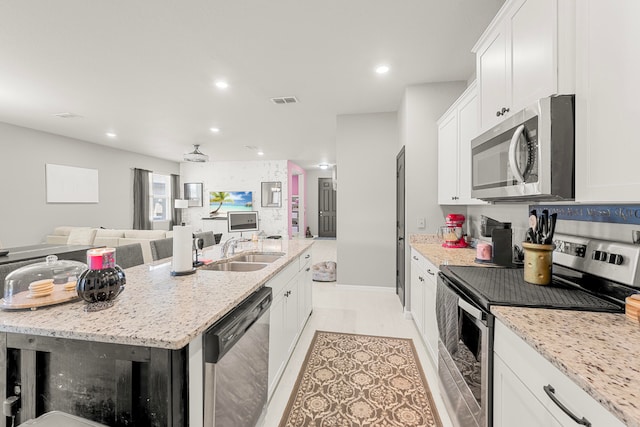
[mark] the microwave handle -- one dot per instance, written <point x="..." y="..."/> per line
<point x="512" y="154"/>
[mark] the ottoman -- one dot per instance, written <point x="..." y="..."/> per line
<point x="324" y="271"/>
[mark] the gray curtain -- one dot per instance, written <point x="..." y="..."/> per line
<point x="176" y="218"/>
<point x="141" y="179"/>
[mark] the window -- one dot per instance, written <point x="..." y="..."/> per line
<point x="160" y="198"/>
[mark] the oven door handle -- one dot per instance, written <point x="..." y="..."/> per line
<point x="473" y="311"/>
<point x="512" y="154"/>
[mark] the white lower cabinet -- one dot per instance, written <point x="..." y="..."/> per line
<point x="290" y="309"/>
<point x="529" y="391"/>
<point x="514" y="404"/>
<point x="423" y="301"/>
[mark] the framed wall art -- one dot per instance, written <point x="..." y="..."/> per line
<point x="271" y="194"/>
<point x="225" y="201"/>
<point x="193" y="193"/>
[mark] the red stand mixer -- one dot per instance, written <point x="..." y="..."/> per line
<point x="451" y="233"/>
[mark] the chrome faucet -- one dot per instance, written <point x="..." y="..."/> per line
<point x="232" y="243"/>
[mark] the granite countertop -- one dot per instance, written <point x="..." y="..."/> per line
<point x="597" y="351"/>
<point x="430" y="246"/>
<point x="155" y="309"/>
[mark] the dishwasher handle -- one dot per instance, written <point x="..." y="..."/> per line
<point x="223" y="334"/>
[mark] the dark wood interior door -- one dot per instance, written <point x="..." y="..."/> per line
<point x="400" y="246"/>
<point x="326" y="208"/>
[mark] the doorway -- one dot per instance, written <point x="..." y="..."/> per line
<point x="326" y="208"/>
<point x="400" y="246"/>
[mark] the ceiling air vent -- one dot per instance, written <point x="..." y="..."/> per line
<point x="67" y="115"/>
<point x="285" y="100"/>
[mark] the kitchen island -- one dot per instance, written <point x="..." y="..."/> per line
<point x="125" y="365"/>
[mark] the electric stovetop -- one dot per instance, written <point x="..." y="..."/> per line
<point x="506" y="286"/>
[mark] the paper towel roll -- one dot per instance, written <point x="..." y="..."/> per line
<point x="182" y="261"/>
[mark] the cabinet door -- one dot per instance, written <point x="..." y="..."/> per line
<point x="277" y="344"/>
<point x="448" y="160"/>
<point x="308" y="296"/>
<point x="468" y="129"/>
<point x="533" y="35"/>
<point x="607" y="106"/>
<point x="304" y="296"/>
<point x="417" y="293"/>
<point x="513" y="403"/>
<point x="291" y="315"/>
<point x="430" y="321"/>
<point x="491" y="67"/>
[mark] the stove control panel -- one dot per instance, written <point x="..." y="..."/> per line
<point x="615" y="261"/>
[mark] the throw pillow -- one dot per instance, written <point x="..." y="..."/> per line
<point x="81" y="236"/>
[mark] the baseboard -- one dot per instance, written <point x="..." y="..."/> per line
<point x="408" y="315"/>
<point x="367" y="288"/>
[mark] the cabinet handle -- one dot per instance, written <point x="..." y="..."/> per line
<point x="421" y="278"/>
<point x="430" y="272"/>
<point x="551" y="393"/>
<point x="502" y="112"/>
<point x="308" y="256"/>
<point x="308" y="268"/>
<point x="415" y="257"/>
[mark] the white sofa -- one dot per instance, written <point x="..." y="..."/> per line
<point x="69" y="235"/>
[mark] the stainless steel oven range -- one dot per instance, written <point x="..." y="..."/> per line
<point x="588" y="275"/>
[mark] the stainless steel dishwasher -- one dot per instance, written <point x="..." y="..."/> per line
<point x="236" y="371"/>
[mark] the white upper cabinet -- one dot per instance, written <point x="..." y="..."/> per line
<point x="525" y="54"/>
<point x="607" y="106"/>
<point x="456" y="128"/>
<point x="448" y="159"/>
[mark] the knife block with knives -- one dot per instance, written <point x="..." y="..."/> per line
<point x="501" y="239"/>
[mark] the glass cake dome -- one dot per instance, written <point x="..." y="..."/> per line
<point x="43" y="283"/>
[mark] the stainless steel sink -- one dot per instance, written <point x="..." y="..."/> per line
<point x="266" y="257"/>
<point x="235" y="266"/>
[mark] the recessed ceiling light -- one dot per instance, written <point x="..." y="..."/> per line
<point x="382" y="69"/>
<point x="221" y="84"/>
<point x="323" y="166"/>
<point x="214" y="130"/>
<point x="111" y="134"/>
<point x="260" y="153"/>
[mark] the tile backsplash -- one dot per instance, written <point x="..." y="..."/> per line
<point x="518" y="215"/>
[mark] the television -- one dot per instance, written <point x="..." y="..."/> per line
<point x="242" y="221"/>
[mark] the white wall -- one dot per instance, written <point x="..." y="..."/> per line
<point x="25" y="216"/>
<point x="366" y="150"/>
<point x="422" y="106"/>
<point x="238" y="176"/>
<point x="312" y="176"/>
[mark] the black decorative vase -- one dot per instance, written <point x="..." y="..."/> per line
<point x="104" y="280"/>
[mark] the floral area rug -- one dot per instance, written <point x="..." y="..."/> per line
<point x="360" y="380"/>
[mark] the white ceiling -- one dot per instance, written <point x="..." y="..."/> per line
<point x="145" y="69"/>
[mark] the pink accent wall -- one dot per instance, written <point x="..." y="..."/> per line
<point x="293" y="171"/>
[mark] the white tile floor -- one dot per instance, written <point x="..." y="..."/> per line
<point x="345" y="309"/>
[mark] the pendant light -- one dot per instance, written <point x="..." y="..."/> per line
<point x="196" y="155"/>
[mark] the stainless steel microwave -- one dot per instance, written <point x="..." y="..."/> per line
<point x="528" y="156"/>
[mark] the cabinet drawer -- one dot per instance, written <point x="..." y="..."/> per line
<point x="428" y="267"/>
<point x="304" y="259"/>
<point x="283" y="277"/>
<point x="537" y="373"/>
